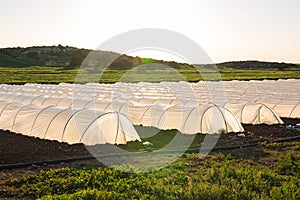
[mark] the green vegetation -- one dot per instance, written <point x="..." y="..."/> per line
<point x="36" y="74"/>
<point x="146" y="60"/>
<point x="217" y="176"/>
<point x="11" y="62"/>
<point x="160" y="138"/>
<point x="259" y="74"/>
<point x="55" y="75"/>
<point x="56" y="64"/>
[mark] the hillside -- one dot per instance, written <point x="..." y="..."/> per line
<point x="255" y="65"/>
<point x="72" y="57"/>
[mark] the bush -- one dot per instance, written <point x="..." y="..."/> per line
<point x="289" y="164"/>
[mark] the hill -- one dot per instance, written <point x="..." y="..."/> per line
<point x="72" y="57"/>
<point x="256" y="65"/>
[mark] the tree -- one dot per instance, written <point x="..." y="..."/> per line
<point x="77" y="58"/>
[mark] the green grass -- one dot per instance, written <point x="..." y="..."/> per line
<point x="214" y="177"/>
<point x="160" y="138"/>
<point x="55" y="75"/>
<point x="36" y="74"/>
<point x="230" y="74"/>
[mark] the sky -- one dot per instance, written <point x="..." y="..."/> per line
<point x="228" y="30"/>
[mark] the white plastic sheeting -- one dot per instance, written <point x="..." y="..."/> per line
<point x="283" y="96"/>
<point x="204" y="118"/>
<point x="165" y="105"/>
<point x="253" y="113"/>
<point x="287" y="108"/>
<point x="201" y="118"/>
<point x="69" y="125"/>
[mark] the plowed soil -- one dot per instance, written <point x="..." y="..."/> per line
<point x="16" y="148"/>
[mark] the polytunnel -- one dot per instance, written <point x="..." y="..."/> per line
<point x="253" y="113"/>
<point x="69" y="125"/>
<point x="154" y="100"/>
<point x="167" y="101"/>
<point x="290" y="109"/>
<point x="145" y="114"/>
<point x="203" y="118"/>
<point x="4" y="95"/>
<point x="119" y="106"/>
<point x="11" y="97"/>
<point x="284" y="108"/>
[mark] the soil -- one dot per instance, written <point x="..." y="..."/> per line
<point x="17" y="148"/>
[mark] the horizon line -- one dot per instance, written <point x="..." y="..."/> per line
<point x="219" y="62"/>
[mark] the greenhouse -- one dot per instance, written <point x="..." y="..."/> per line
<point x="204" y="118"/>
<point x="253" y="113"/>
<point x="69" y="125"/>
<point x="157" y="115"/>
<point x="202" y="107"/>
<point x="286" y="108"/>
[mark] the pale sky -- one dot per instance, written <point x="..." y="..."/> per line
<point x="267" y="30"/>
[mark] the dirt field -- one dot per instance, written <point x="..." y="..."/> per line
<point x="16" y="148"/>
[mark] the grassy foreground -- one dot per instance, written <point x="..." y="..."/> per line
<point x="55" y="75"/>
<point x="272" y="175"/>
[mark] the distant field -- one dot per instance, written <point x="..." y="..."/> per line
<point x="55" y="75"/>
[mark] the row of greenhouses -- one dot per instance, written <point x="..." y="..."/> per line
<point x="282" y="96"/>
<point x="106" y="113"/>
<point x="245" y="112"/>
<point x="203" y="118"/>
